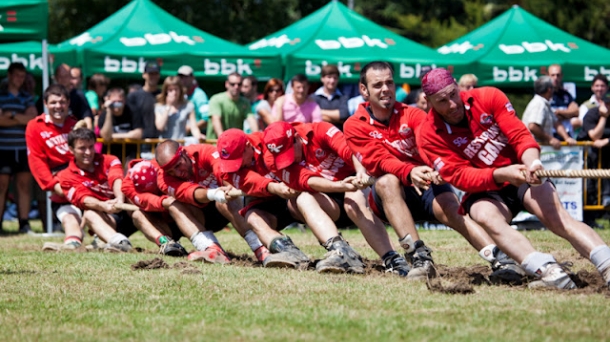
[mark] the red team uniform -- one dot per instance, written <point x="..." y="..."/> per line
<point x="203" y="158"/>
<point x="48" y="151"/>
<point x="78" y="184"/>
<point x="387" y="148"/>
<point x="144" y="192"/>
<point x="491" y="137"/>
<point x="392" y="149"/>
<point x="252" y="179"/>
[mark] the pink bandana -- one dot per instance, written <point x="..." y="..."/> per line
<point x="436" y="80"/>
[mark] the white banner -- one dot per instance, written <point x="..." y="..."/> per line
<point x="569" y="189"/>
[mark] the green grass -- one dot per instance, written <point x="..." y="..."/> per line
<point x="97" y="297"/>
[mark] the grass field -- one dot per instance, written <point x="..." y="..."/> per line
<point x="98" y="297"/>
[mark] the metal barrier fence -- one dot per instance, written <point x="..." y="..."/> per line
<point x="587" y="145"/>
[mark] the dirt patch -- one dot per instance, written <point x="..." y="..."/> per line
<point x="244" y="260"/>
<point x="153" y="264"/>
<point x="186" y="268"/>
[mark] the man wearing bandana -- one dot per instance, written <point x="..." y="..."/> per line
<point x="382" y="135"/>
<point x="187" y="174"/>
<point x="476" y="142"/>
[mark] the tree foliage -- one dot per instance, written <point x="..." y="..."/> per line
<point x="430" y="22"/>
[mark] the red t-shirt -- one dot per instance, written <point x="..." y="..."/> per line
<point x="78" y="184"/>
<point x="386" y="149"/>
<point x="147" y="201"/>
<point x="203" y="158"/>
<point x="48" y="150"/>
<point x="254" y="178"/>
<point x="325" y="150"/>
<point x="466" y="156"/>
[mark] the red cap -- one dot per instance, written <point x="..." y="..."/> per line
<point x="231" y="145"/>
<point x="279" y="141"/>
<point x="436" y="80"/>
<point x="144" y="176"/>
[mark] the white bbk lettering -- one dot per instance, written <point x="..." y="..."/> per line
<point x="407" y="71"/>
<point x="312" y="69"/>
<point x="124" y="65"/>
<point x="589" y="72"/>
<point x="226" y="68"/>
<point x="514" y="74"/>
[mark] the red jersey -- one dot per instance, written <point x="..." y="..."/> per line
<point x="467" y="155"/>
<point x="325" y="150"/>
<point x="203" y="158"/>
<point x="387" y="148"/>
<point x="48" y="151"/>
<point x="252" y="179"/>
<point x="147" y="200"/>
<point x="78" y="184"/>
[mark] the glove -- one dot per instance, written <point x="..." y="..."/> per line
<point x="216" y="195"/>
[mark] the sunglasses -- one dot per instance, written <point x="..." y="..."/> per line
<point x="275" y="90"/>
<point x="234" y="84"/>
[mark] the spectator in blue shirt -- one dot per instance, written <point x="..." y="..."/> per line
<point x="330" y="99"/>
<point x="197" y="96"/>
<point x="17" y="108"/>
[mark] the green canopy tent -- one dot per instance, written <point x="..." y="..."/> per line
<point x="140" y="31"/>
<point x="517" y="47"/>
<point x="23" y="33"/>
<point x="334" y="34"/>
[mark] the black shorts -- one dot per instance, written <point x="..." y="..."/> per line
<point x="343" y="221"/>
<point x="510" y="195"/>
<point x="214" y="220"/>
<point x="275" y="206"/>
<point x="12" y="162"/>
<point x="124" y="223"/>
<point x="175" y="232"/>
<point x="421" y="207"/>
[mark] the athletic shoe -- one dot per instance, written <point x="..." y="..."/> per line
<point x="341" y="258"/>
<point x="26" y="229"/>
<point x="172" y="248"/>
<point x="56" y="247"/>
<point x="261" y="253"/>
<point x="422" y="263"/>
<point x="505" y="269"/>
<point x="280" y="260"/>
<point x="124" y="246"/>
<point x="285" y="244"/>
<point x="213" y="255"/>
<point x="553" y="275"/>
<point x="396" y="264"/>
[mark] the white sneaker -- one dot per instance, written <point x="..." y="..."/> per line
<point x="553" y="276"/>
<point x="57" y="247"/>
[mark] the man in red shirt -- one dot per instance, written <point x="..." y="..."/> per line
<point x="92" y="182"/>
<point x="163" y="213"/>
<point x="316" y="175"/>
<point x="187" y="174"/>
<point x="267" y="206"/>
<point x="382" y="135"/>
<point x="48" y="152"/>
<point x="476" y="142"/>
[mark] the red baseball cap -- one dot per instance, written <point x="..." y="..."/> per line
<point x="231" y="146"/>
<point x="144" y="176"/>
<point x="279" y="141"/>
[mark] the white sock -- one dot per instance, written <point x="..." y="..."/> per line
<point x="535" y="261"/>
<point x="116" y="238"/>
<point x="252" y="240"/>
<point x="407" y="243"/>
<point x="600" y="257"/>
<point x="201" y="241"/>
<point x="487" y="253"/>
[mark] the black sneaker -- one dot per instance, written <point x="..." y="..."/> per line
<point x="422" y="263"/>
<point x="172" y="248"/>
<point x="396" y="263"/>
<point x="26" y="229"/>
<point x="341" y="257"/>
<point x="285" y="244"/>
<point x="504" y="269"/>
